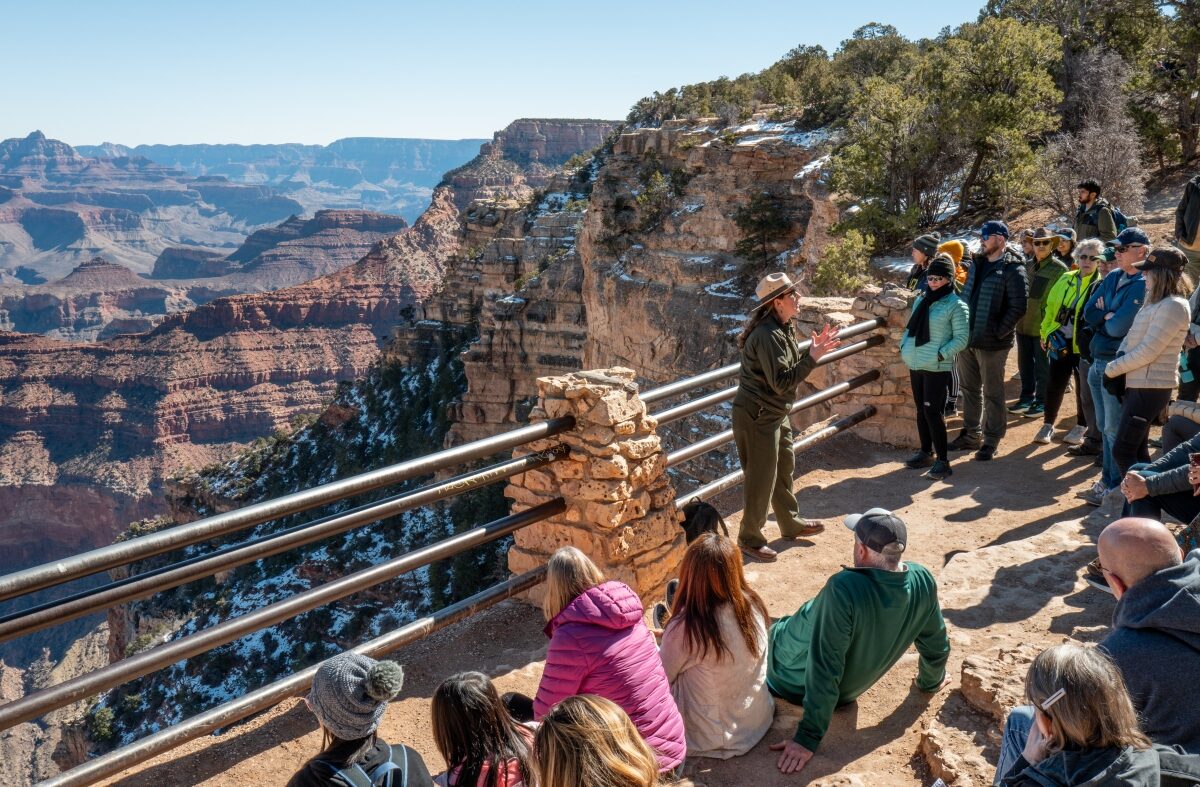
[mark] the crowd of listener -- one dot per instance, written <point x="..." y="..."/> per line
<point x="622" y="704"/>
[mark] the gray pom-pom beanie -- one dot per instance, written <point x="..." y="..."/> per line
<point x="350" y="692"/>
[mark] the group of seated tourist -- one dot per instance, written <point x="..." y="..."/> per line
<point x="615" y="709"/>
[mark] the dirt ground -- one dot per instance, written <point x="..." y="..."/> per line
<point x="1007" y="540"/>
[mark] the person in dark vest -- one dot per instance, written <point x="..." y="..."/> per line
<point x="773" y="365"/>
<point x="1043" y="270"/>
<point x="996" y="292"/>
<point x="1094" y="217"/>
<point x="349" y="695"/>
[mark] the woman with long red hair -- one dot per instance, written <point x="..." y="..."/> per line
<point x="714" y="649"/>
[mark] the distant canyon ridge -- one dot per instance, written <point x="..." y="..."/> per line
<point x="61" y="206"/>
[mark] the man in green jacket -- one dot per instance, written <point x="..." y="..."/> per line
<point x="1043" y="271"/>
<point x="840" y="643"/>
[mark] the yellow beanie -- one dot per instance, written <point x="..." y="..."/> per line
<point x="954" y="248"/>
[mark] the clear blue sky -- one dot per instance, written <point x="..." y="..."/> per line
<point x="173" y="71"/>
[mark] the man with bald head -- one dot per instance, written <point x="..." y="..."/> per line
<point x="1155" y="637"/>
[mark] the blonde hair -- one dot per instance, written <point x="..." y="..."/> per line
<point x="1094" y="711"/>
<point x="568" y="573"/>
<point x="588" y="741"/>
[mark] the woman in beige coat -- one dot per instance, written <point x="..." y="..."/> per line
<point x="714" y="650"/>
<point x="1149" y="355"/>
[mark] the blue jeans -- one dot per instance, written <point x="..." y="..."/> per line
<point x="1108" y="416"/>
<point x="1016" y="730"/>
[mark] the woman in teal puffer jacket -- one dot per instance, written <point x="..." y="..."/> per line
<point x="937" y="331"/>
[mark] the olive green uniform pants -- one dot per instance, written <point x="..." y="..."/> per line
<point x="764" y="446"/>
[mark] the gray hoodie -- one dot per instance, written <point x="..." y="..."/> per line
<point x="1155" y="642"/>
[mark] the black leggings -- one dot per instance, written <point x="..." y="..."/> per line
<point x="930" y="390"/>
<point x="1060" y="374"/>
<point x="1138" y="410"/>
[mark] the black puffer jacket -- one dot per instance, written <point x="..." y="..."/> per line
<point x="996" y="294"/>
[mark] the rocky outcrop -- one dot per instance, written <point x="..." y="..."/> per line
<point x="523" y="157"/>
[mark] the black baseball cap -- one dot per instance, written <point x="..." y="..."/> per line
<point x="879" y="529"/>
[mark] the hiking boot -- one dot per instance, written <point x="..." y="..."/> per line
<point x="661" y="615"/>
<point x="1095" y="577"/>
<point x="807" y="529"/>
<point x="939" y="472"/>
<point x="986" y="453"/>
<point x="919" y="460"/>
<point x="1045" y="434"/>
<point x="763" y="554"/>
<point x="672" y="587"/>
<point x="965" y="442"/>
<point x="1084" y="449"/>
<point x="1075" y="437"/>
<point x="1019" y="406"/>
<point x="1035" y="410"/>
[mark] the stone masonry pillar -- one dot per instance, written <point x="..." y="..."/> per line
<point x="620" y="503"/>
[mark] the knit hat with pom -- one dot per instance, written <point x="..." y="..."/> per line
<point x="350" y="692"/>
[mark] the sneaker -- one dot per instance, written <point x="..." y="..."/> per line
<point x="1019" y="407"/>
<point x="661" y="615"/>
<point x="1094" y="495"/>
<point x="1085" y="449"/>
<point x="986" y="453"/>
<point x="965" y="442"/>
<point x="939" y="472"/>
<point x="1095" y="577"/>
<point x="1075" y="437"/>
<point x="951" y="410"/>
<point x="763" y="554"/>
<point x="672" y="587"/>
<point x="1045" y="434"/>
<point x="1035" y="410"/>
<point x="919" y="460"/>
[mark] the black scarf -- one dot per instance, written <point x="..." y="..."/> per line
<point x="918" y="323"/>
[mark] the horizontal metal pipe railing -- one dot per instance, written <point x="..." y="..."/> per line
<point x="704" y="402"/>
<point x="716" y="375"/>
<point x="808" y="441"/>
<point x="721" y="438"/>
<point x="43" y="576"/>
<point x="258" y="700"/>
<point x="75" y="689"/>
<point x="143" y="585"/>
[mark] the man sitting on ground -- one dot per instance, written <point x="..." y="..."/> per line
<point x="1155" y="637"/>
<point x="840" y="643"/>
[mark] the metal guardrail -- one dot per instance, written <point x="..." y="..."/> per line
<point x="297" y="683"/>
<point x="43" y="576"/>
<point x="143" y="585"/>
<point x="146" y="584"/>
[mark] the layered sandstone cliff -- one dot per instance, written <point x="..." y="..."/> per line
<point x="101" y="299"/>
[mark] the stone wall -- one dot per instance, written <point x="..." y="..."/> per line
<point x="620" y="504"/>
<point x="895" y="419"/>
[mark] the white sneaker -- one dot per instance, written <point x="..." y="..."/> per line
<point x="1075" y="436"/>
<point x="1044" y="434"/>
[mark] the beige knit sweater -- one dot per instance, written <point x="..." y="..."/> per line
<point x="1149" y="353"/>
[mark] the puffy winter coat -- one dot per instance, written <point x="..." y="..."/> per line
<point x="1149" y="353"/>
<point x="995" y="294"/>
<point x="599" y="644"/>
<point x="947" y="337"/>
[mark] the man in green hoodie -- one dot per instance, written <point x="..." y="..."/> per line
<point x="840" y="643"/>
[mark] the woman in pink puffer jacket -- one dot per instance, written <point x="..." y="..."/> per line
<point x="599" y="644"/>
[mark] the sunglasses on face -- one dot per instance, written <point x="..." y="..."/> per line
<point x="1089" y="257"/>
<point x="936" y="278"/>
<point x="1043" y="242"/>
<point x="1123" y="249"/>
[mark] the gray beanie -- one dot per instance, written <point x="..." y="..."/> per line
<point x="927" y="244"/>
<point x="350" y="692"/>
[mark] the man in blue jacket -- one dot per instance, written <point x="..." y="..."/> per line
<point x="1110" y="313"/>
